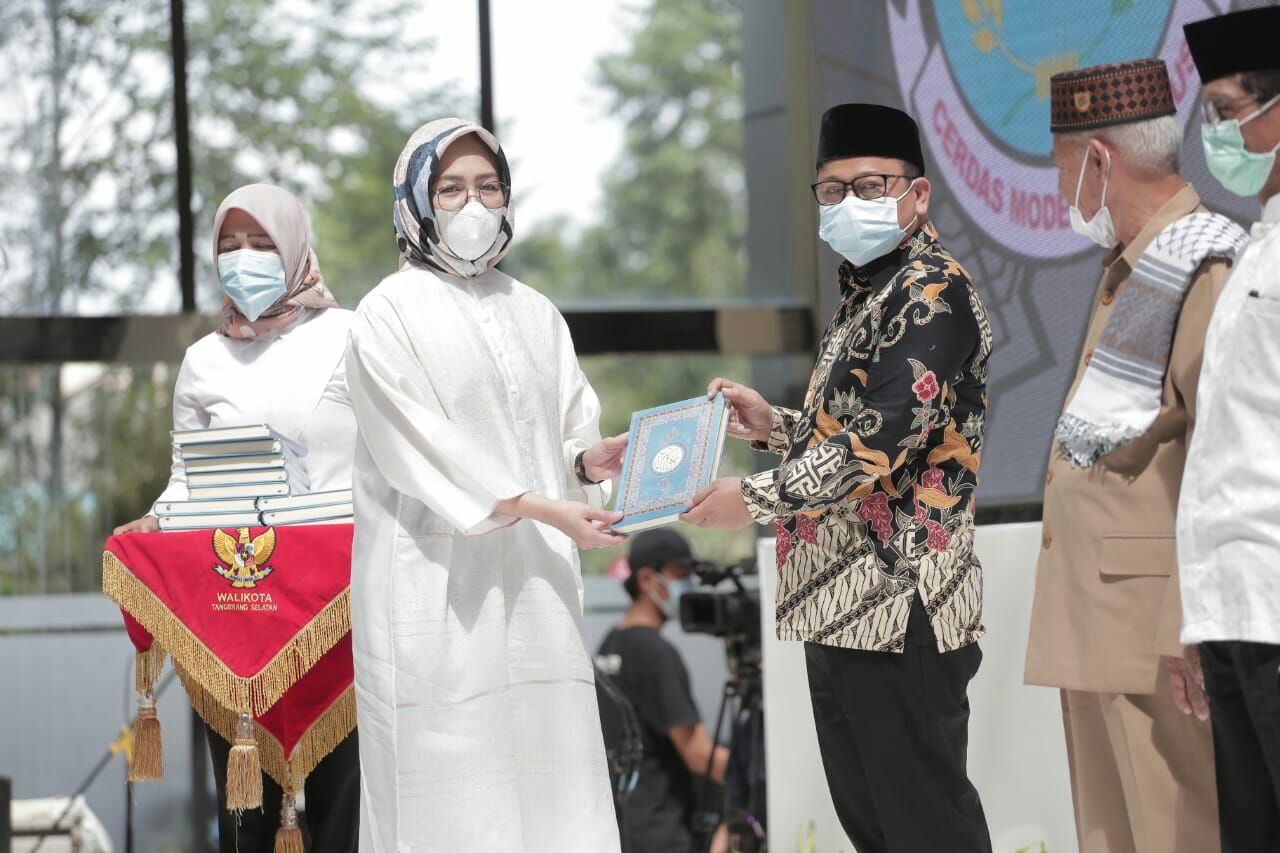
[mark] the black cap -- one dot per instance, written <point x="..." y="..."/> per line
<point x="656" y="548"/>
<point x="1248" y="40"/>
<point x="869" y="130"/>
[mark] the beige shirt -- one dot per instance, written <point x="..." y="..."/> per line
<point x="1106" y="602"/>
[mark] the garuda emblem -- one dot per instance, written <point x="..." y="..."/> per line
<point x="244" y="562"/>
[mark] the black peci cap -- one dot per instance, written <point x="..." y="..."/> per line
<point x="1248" y="40"/>
<point x="869" y="130"/>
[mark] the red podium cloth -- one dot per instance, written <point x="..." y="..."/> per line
<point x="257" y="621"/>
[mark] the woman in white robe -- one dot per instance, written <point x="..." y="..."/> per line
<point x="277" y="359"/>
<point x="478" y="444"/>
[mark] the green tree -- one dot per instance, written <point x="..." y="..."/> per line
<point x="673" y="219"/>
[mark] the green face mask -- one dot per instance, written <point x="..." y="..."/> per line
<point x="1239" y="170"/>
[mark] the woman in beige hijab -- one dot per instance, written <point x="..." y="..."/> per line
<point x="277" y="359"/>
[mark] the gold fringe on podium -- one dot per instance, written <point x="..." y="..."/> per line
<point x="316" y="742"/>
<point x="228" y="702"/>
<point x="146" y="760"/>
<point x="257" y="693"/>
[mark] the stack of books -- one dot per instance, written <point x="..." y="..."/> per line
<point x="229" y="469"/>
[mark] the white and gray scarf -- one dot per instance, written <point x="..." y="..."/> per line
<point x="1119" y="396"/>
<point x="417" y="232"/>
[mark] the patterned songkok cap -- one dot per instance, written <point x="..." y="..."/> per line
<point x="1105" y="95"/>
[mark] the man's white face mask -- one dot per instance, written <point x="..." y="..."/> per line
<point x="862" y="230"/>
<point x="1100" y="229"/>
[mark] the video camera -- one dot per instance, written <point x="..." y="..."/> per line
<point x="730" y="613"/>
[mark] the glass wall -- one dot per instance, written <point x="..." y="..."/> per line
<point x="625" y="133"/>
<point x="85" y="449"/>
<point x="88" y="224"/>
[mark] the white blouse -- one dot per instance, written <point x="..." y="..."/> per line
<point x="295" y="382"/>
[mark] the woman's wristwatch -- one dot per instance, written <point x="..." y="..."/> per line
<point x="580" y="470"/>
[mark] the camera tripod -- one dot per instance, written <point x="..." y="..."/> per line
<point x="742" y="704"/>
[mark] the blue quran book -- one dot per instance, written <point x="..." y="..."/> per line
<point x="673" y="453"/>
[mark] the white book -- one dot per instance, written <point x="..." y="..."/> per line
<point x="237" y="463"/>
<point x="218" y="449"/>
<point x="307" y="500"/>
<point x="183" y="437"/>
<point x="348" y="519"/>
<point x="312" y="514"/>
<point x="211" y="520"/>
<point x="237" y="477"/>
<point x="254" y="490"/>
<point x="207" y="507"/>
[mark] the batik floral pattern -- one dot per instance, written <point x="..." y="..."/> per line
<point x="873" y="501"/>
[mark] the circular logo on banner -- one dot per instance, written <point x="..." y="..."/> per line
<point x="975" y="74"/>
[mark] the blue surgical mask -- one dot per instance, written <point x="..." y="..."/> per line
<point x="675" y="590"/>
<point x="1241" y="171"/>
<point x="253" y="280"/>
<point x="862" y="230"/>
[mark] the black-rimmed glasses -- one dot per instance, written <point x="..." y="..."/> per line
<point x="866" y="187"/>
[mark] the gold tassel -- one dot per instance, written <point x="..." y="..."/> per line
<point x="289" y="836"/>
<point x="244" y="769"/>
<point x="147" y="760"/>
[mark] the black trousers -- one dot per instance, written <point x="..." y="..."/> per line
<point x="893" y="730"/>
<point x="331" y="823"/>
<point x="1243" y="685"/>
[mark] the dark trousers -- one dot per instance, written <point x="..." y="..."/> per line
<point x="331" y="823"/>
<point x="1244" y="708"/>
<point x="893" y="730"/>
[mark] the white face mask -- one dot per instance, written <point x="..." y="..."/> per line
<point x="471" y="231"/>
<point x="862" y="230"/>
<point x="1100" y="229"/>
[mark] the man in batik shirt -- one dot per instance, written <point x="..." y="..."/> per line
<point x="873" y="502"/>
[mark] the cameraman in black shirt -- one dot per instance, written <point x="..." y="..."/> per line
<point x="648" y="670"/>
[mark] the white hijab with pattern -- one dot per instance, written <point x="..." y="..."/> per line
<point x="417" y="234"/>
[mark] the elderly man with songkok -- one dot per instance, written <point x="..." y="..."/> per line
<point x="1105" y="619"/>
<point x="873" y="501"/>
<point x="478" y="474"/>
<point x="1228" y="524"/>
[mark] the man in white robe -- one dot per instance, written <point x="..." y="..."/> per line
<point x="475" y="483"/>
